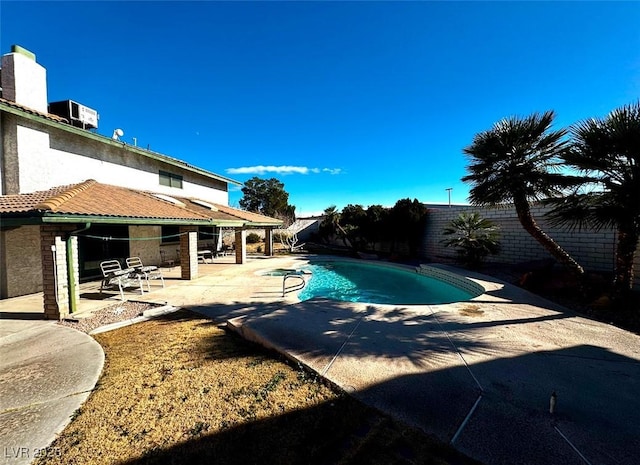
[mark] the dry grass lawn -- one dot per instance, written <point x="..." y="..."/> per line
<point x="181" y="390"/>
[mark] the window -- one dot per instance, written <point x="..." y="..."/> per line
<point x="170" y="234"/>
<point x="207" y="233"/>
<point x="170" y="179"/>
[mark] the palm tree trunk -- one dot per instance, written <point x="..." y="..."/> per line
<point x="343" y="234"/>
<point x="529" y="224"/>
<point x="625" y="253"/>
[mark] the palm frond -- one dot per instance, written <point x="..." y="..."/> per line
<point x="516" y="156"/>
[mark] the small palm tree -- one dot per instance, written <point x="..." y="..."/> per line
<point x="473" y="237"/>
<point x="607" y="152"/>
<point x="330" y="225"/>
<point x="515" y="161"/>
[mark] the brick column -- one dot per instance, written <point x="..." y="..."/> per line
<point x="188" y="252"/>
<point x="268" y="242"/>
<point x="241" y="246"/>
<point x="55" y="283"/>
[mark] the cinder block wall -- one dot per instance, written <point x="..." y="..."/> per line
<point x="145" y="243"/>
<point x="21" y="264"/>
<point x="595" y="250"/>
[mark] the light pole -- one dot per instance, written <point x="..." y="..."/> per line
<point x="449" y="189"/>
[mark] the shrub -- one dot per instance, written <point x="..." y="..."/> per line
<point x="253" y="238"/>
<point x="473" y="237"/>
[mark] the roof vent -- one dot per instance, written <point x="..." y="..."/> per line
<point x="168" y="198"/>
<point x="204" y="204"/>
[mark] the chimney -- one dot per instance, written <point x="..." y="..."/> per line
<point x="23" y="80"/>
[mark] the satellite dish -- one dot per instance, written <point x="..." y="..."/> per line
<point x="117" y="134"/>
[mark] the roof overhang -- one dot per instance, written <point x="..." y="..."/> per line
<point x="49" y="218"/>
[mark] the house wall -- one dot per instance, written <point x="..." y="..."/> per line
<point x="21" y="266"/>
<point x="594" y="250"/>
<point x="38" y="157"/>
<point x="145" y="243"/>
<point x="9" y="159"/>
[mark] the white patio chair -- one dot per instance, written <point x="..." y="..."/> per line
<point x="115" y="277"/>
<point x="146" y="272"/>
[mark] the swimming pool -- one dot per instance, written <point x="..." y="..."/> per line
<point x="354" y="281"/>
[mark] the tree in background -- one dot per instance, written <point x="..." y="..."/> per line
<point x="407" y="220"/>
<point x="516" y="161"/>
<point x="267" y="197"/>
<point x="362" y="229"/>
<point x="473" y="237"/>
<point x="607" y="153"/>
<point x="377" y="226"/>
<point x="353" y="221"/>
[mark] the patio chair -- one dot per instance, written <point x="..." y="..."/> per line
<point x="204" y="254"/>
<point x="146" y="272"/>
<point x="115" y="277"/>
<point x="166" y="260"/>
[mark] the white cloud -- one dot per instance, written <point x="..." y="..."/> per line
<point x="261" y="169"/>
<point x="283" y="169"/>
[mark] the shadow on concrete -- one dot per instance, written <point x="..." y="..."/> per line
<point x="598" y="406"/>
<point x="22" y="316"/>
<point x="409" y="332"/>
<point x="97" y="295"/>
<point x="596" y="415"/>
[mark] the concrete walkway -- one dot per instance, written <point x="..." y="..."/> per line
<point x="477" y="374"/>
<point x="46" y="373"/>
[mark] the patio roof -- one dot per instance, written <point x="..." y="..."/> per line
<point x="224" y="211"/>
<point x="104" y="203"/>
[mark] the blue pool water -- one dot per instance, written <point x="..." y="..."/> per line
<point x="360" y="282"/>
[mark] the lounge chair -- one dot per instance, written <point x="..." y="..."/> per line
<point x="146" y="272"/>
<point x="115" y="277"/>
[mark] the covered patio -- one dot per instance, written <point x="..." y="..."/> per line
<point x="55" y="220"/>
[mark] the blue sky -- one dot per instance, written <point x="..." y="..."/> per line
<point x="345" y="102"/>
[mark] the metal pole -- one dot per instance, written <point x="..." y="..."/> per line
<point x="449" y="189"/>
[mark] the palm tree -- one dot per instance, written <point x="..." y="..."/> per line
<point x="607" y="152"/>
<point x="330" y="225"/>
<point x="515" y="162"/>
<point x="473" y="237"/>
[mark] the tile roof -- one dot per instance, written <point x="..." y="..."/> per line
<point x="91" y="198"/>
<point x="20" y="203"/>
<point x="49" y="116"/>
<point x="249" y="216"/>
<point x="96" y="199"/>
<point x="224" y="212"/>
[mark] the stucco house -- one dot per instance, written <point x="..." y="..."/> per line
<point x="71" y="198"/>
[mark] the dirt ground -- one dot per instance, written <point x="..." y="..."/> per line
<point x="182" y="390"/>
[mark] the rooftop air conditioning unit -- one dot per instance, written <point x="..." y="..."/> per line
<point x="78" y="115"/>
